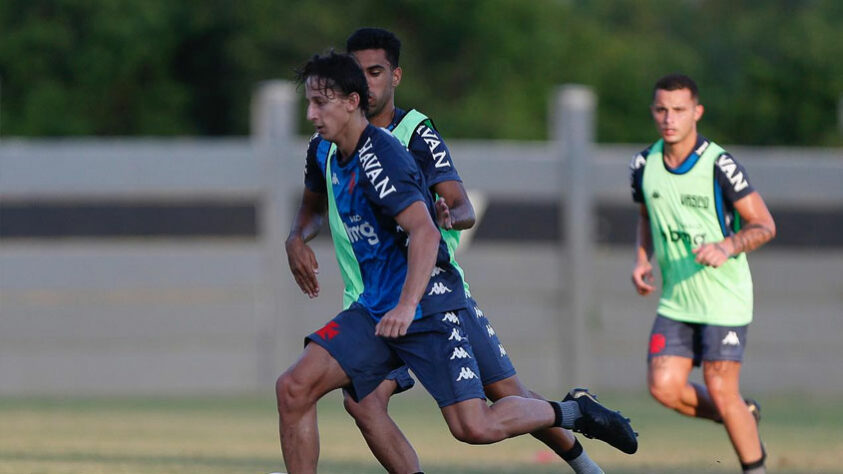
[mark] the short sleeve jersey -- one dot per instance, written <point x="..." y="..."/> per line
<point x="370" y="189"/>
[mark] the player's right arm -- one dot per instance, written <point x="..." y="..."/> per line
<point x="306" y="226"/>
<point x="642" y="272"/>
<point x="307" y="223"/>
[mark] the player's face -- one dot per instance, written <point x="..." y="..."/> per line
<point x="676" y="114"/>
<point x="327" y="109"/>
<point x="380" y="76"/>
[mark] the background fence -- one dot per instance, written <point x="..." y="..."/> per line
<point x="151" y="266"/>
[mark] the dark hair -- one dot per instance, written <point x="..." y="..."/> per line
<point x="675" y="82"/>
<point x="375" y="38"/>
<point x="338" y="72"/>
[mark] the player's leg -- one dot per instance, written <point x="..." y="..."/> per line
<point x="723" y="348"/>
<point x="561" y="441"/>
<point x="344" y="353"/>
<point x="499" y="380"/>
<point x="673" y="352"/>
<point x="438" y="352"/>
<point x="385" y="439"/>
<point x="722" y="379"/>
<point x="297" y="390"/>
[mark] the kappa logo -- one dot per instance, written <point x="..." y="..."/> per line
<point x="731" y="339"/>
<point x="466" y="373"/>
<point x="334" y="178"/>
<point x="451" y="318"/>
<point x="503" y="351"/>
<point x="490" y="330"/>
<point x="478" y="312"/>
<point x="460" y="353"/>
<point x="439" y="288"/>
<point x="436" y="271"/>
<point x="455" y="335"/>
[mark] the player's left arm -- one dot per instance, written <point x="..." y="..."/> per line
<point x="758" y="228"/>
<point x="421" y="258"/>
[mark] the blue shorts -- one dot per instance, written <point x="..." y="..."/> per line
<point x="435" y="348"/>
<point x="700" y="342"/>
<point x="491" y="357"/>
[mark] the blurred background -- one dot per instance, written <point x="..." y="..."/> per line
<point x="151" y="156"/>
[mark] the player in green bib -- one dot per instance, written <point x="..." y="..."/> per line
<point x="700" y="215"/>
<point x="377" y="51"/>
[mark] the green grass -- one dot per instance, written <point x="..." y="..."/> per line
<point x="239" y="435"/>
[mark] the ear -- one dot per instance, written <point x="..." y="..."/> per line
<point x="352" y="101"/>
<point x="397" y="73"/>
<point x="698" y="112"/>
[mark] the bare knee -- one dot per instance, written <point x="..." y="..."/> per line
<point x="292" y="394"/>
<point x="665" y="393"/>
<point x="473" y="432"/>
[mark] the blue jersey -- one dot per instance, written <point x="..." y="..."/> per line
<point x="369" y="189"/>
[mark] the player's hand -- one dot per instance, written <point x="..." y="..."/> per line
<point x="443" y="214"/>
<point x="642" y="278"/>
<point x="304" y="266"/>
<point x="396" y="321"/>
<point x="713" y="254"/>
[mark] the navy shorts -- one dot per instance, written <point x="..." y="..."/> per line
<point x="492" y="359"/>
<point x="700" y="342"/>
<point x="435" y="348"/>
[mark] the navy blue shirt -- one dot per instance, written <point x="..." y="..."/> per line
<point x="371" y="187"/>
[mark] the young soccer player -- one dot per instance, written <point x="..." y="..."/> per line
<point x="402" y="311"/>
<point x="700" y="215"/>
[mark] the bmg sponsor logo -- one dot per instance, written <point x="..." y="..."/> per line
<point x="361" y="229"/>
<point x="674" y="236"/>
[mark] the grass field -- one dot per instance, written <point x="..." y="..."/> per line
<point x="239" y="435"/>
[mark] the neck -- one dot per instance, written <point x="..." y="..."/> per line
<point x="675" y="153"/>
<point x="384" y="117"/>
<point x="348" y="138"/>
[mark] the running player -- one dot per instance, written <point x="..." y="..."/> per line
<point x="701" y="215"/>
<point x="378" y="50"/>
<point x="400" y="314"/>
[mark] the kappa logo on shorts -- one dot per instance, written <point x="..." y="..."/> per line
<point x="329" y="331"/>
<point x="436" y="271"/>
<point x="455" y="335"/>
<point x="466" y="373"/>
<point x="460" y="353"/>
<point x="451" y="318"/>
<point x="439" y="288"/>
<point x="731" y="339"/>
<point x="503" y="351"/>
<point x="490" y="330"/>
<point x="478" y="312"/>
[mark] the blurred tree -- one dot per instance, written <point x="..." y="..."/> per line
<point x="769" y="72"/>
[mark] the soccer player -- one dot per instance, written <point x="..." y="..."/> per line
<point x="700" y="215"/>
<point x="403" y="311"/>
<point x="378" y="50"/>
